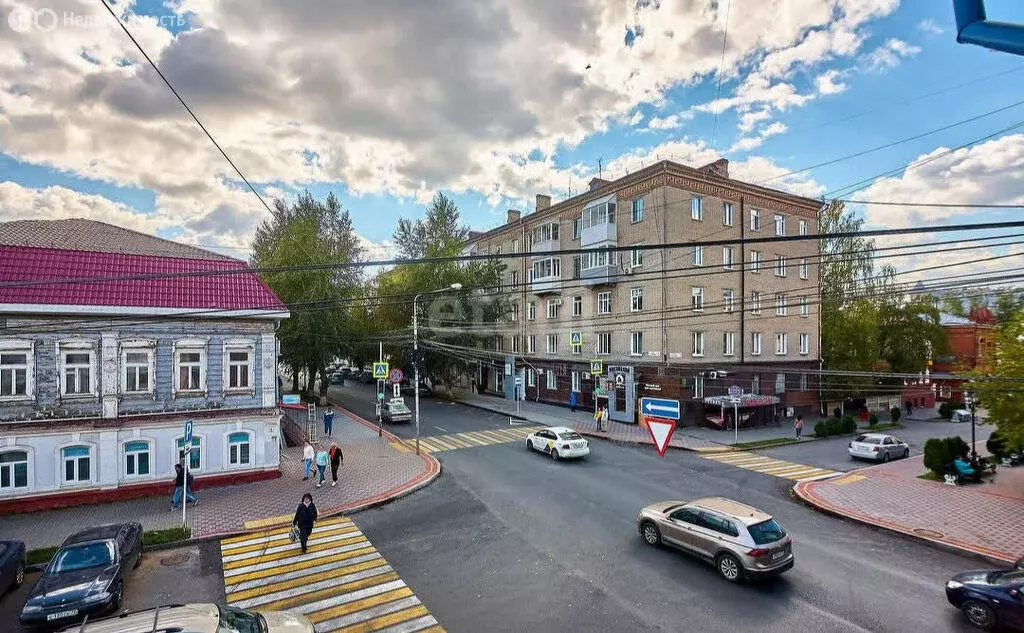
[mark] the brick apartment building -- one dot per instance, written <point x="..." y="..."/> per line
<point x="681" y="323"/>
<point x="971" y="343"/>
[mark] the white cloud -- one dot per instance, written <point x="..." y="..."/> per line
<point x="670" y="122"/>
<point x="828" y="83"/>
<point x="889" y="54"/>
<point x="750" y="119"/>
<point x="56" y="203"/>
<point x="637" y="119"/>
<point x="930" y="27"/>
<point x="748" y="143"/>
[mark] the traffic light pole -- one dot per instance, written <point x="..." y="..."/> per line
<point x="380" y="390"/>
<point x="416" y="367"/>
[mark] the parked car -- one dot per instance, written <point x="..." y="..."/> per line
<point x="199" y="618"/>
<point x="878" y="447"/>
<point x="990" y="599"/>
<point x="366" y="377"/>
<point x="337" y="378"/>
<point x="12" y="565"/>
<point x="560" y="442"/>
<point x="741" y="541"/>
<point x="960" y="415"/>
<point x="85" y="577"/>
<point x="395" y="410"/>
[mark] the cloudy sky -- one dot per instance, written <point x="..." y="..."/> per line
<point x="386" y="102"/>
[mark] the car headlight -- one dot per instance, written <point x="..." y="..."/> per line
<point x="102" y="596"/>
<point x="31" y="608"/>
<point x="953" y="584"/>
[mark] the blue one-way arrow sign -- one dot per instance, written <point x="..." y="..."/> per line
<point x="660" y="408"/>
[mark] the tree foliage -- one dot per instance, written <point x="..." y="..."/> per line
<point x="1002" y="394"/>
<point x="323" y="322"/>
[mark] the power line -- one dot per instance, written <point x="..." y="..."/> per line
<point x="950" y="205"/>
<point x="721" y="70"/>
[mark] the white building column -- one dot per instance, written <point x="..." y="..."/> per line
<point x="108" y="377"/>
<point x="268" y="353"/>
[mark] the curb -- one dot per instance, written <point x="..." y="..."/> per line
<point x="802" y="491"/>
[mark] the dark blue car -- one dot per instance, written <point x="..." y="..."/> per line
<point x="990" y="599"/>
<point x="12" y="565"/>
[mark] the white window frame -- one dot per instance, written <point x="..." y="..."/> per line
<point x="604" y="337"/>
<point x="728" y="300"/>
<point x="124" y="452"/>
<point x="803" y="227"/>
<point x="780" y="265"/>
<point x="805" y="344"/>
<point x="531" y="377"/>
<point x="29" y="470"/>
<point x="755" y="302"/>
<point x="697" y="344"/>
<point x="728" y="259"/>
<point x="755" y="384"/>
<point x="755" y="220"/>
<point x="239" y="345"/>
<point x="636" y="299"/>
<point x="780" y="383"/>
<point x="697" y="298"/>
<point x="515" y="344"/>
<point x="552" y="380"/>
<point x="228" y="444"/>
<point x="636" y="343"/>
<point x="552" y="308"/>
<point x="551" y="343"/>
<point x="531" y="344"/>
<point x="755" y="262"/>
<point x="514" y="317"/>
<point x="604" y="302"/>
<point x="727" y="214"/>
<point x="756" y="343"/>
<point x="779" y="224"/>
<point x="77" y="347"/>
<point x="803" y="269"/>
<point x="781" y="343"/>
<point x="515" y="246"/>
<point x="499" y="343"/>
<point x="698" y="256"/>
<point x="697" y="209"/>
<point x="577" y="306"/>
<point x="636" y="258"/>
<point x="698" y="386"/>
<point x="187" y="346"/>
<point x="636" y="213"/>
<point x="728" y="343"/>
<point x="201" y="446"/>
<point x="805" y="307"/>
<point x="513" y="280"/>
<point x="61" y="468"/>
<point x="531" y="310"/>
<point x="146" y="347"/>
<point x="26" y="347"/>
<point x="781" y="305"/>
<point x="577" y="228"/>
<point x="577" y="382"/>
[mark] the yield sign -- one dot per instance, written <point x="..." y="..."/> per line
<point x="661" y="431"/>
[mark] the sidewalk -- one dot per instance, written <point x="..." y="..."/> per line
<point x="982" y="519"/>
<point x="372" y="473"/>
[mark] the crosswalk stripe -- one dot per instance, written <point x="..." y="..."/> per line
<point x="378" y="623"/>
<point x="466" y="437"/>
<point x="412" y="626"/>
<point x="426" y="446"/>
<point x="325" y="548"/>
<point x="479" y="436"/>
<point x="265" y="570"/>
<point x="443" y="444"/>
<point x="811" y="472"/>
<point x="785" y="472"/>
<point x="729" y="458"/>
<point x="321" y="590"/>
<point x="263" y="535"/>
<point x="803" y="472"/>
<point x="301" y="578"/>
<point x="284" y="544"/>
<point x="372" y="612"/>
<point x="324" y="618"/>
<point x="767" y="465"/>
<point x="243" y="586"/>
<point x="776" y="467"/>
<point x="754" y="461"/>
<point x="503" y="435"/>
<point x="432" y="443"/>
<point x="260" y="543"/>
<point x="458" y="441"/>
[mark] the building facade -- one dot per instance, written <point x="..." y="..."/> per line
<point x="704" y="293"/>
<point x="97" y="378"/>
<point x="971" y="342"/>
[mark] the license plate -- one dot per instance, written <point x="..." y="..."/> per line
<point x="62" y="614"/>
<point x="779" y="555"/>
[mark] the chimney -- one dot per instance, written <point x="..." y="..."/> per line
<point x="718" y="168"/>
<point x="543" y="202"/>
<point x="513" y="216"/>
<point x="597" y="183"/>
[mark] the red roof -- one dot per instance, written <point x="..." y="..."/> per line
<point x="243" y="291"/>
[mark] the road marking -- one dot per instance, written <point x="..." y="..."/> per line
<point x="849" y="479"/>
<point x="471" y="439"/>
<point x="768" y="465"/>
<point x="342" y="583"/>
<point x="441" y="428"/>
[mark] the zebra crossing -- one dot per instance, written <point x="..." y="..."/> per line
<point x="470" y="439"/>
<point x="770" y="466"/>
<point x="342" y="584"/>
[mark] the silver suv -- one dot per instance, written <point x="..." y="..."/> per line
<point x="198" y="618"/>
<point x="742" y="542"/>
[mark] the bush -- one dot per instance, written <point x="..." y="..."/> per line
<point x="821" y="429"/>
<point x="936" y="456"/>
<point x="170" y="535"/>
<point x="957" y="447"/>
<point x="946" y="409"/>
<point x="999" y="446"/>
<point x="896" y="414"/>
<point x="872" y="420"/>
<point x="848" y="424"/>
<point x="837" y="412"/>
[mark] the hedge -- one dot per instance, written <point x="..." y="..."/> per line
<point x="939" y="453"/>
<point x="896" y="414"/>
<point x="832" y="426"/>
<point x="946" y="409"/>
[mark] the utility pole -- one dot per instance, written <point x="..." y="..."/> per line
<point x="416" y="354"/>
<point x="380" y="390"/>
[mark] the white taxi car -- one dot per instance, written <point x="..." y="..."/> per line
<point x="560" y="442"/>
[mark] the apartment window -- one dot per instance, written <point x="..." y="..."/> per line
<point x="803" y="269"/>
<point x="780" y="225"/>
<point x="577" y="228"/>
<point x="499" y="343"/>
<point x="16" y="371"/>
<point x="553" y="308"/>
<point x="755" y="343"/>
<point x="780" y="383"/>
<point x="13" y="470"/>
<point x="529" y="275"/>
<point x="727" y="213"/>
<point x="697" y="208"/>
<point x="697" y="299"/>
<point x="728" y="300"/>
<point x="698" y="386"/>
<point x="552" y="380"/>
<point x="599" y="215"/>
<point x="803" y="382"/>
<point x="190" y="363"/>
<point x="577" y="382"/>
<point x="637" y="213"/>
<point x="728" y="343"/>
<point x="515" y="246"/>
<point x="577" y="306"/>
<point x="515" y="313"/>
<point x="782" y="344"/>
<point x="239" y="453"/>
<point x="805" y="307"/>
<point x="604" y="303"/>
<point x="781" y="308"/>
<point x="136" y="459"/>
<point x="497" y="250"/>
<point x="239" y="366"/>
<point x="755" y="261"/>
<point x="604" y="343"/>
<point x="76" y="368"/>
<point x="755" y="302"/>
<point x="698" y="255"/>
<point x="755" y="385"/>
<point x="575" y="349"/>
<point x="531" y="310"/>
<point x="545" y="232"/>
<point x="727" y="257"/>
<point x="77" y="464"/>
<point x="195" y="453"/>
<point x="577" y="265"/>
<point x="515" y="345"/>
<point x="531" y="378"/>
<point x="803" y="227"/>
<point x="636" y="343"/>
<point x="547" y="268"/>
<point x="138" y="370"/>
<point x="945" y="391"/>
<point x="636" y="258"/>
<point x="805" y="344"/>
<point x="755" y="220"/>
<point x="552" y="340"/>
<point x="636" y="299"/>
<point x="780" y="265"/>
<point x="697" y="341"/>
<point x="513" y="279"/>
<point x="596" y="258"/>
<point x="531" y="344"/>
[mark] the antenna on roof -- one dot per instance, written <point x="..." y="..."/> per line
<point x="600" y="168"/>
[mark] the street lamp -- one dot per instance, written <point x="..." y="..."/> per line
<point x="416" y="348"/>
<point x="969" y="401"/>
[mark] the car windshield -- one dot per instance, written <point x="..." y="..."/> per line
<point x="864" y="439"/>
<point x="84" y="556"/>
<point x="766" y="532"/>
<point x="1013" y="578"/>
<point x="234" y="620"/>
<point x="572" y="435"/>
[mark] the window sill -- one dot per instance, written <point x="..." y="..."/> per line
<point x="16" y="399"/>
<point x="755" y="272"/>
<point x="78" y="397"/>
<point x="696" y="355"/>
<point x="243" y="392"/>
<point x="698" y="309"/>
<point x="138" y="395"/>
<point x="635" y="355"/>
<point x="76" y="485"/>
<point x="190" y="393"/>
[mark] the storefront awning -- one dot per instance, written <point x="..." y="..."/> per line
<point x="746" y="400"/>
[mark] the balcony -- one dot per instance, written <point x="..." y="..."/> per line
<point x="602" y="234"/>
<point x="546" y="246"/>
<point x="599" y="223"/>
<point x="599" y="275"/>
<point x="546" y="285"/>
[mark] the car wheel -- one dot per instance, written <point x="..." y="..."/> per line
<point x="119" y="597"/>
<point x="885" y="457"/>
<point x="651" y="534"/>
<point x="19" y="575"/>
<point x="529" y="445"/>
<point x="980" y="615"/>
<point x="138" y="561"/>
<point x="906" y="453"/>
<point x="729" y="567"/>
<point x="554" y="454"/>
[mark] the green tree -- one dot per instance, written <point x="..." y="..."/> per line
<point x="323" y="321"/>
<point x="909" y="334"/>
<point x="1002" y="393"/>
<point x="952" y="304"/>
<point x="1008" y="303"/>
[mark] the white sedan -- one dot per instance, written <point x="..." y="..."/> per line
<point x="560" y="442"/>
<point x="878" y="447"/>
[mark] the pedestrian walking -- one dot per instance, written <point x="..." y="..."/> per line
<point x="305" y="516"/>
<point x="180" y="488"/>
<point x="599" y="417"/>
<point x="322" y="460"/>
<point x="336" y="459"/>
<point x="572" y="402"/>
<point x="328" y="422"/>
<point x="799" y="426"/>
<point x="308" y="453"/>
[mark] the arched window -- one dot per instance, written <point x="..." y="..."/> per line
<point x="137" y="459"/>
<point x="77" y="462"/>
<point x="13" y="470"/>
<point x="239" y="451"/>
<point x="195" y="454"/>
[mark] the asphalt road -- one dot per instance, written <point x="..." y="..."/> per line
<point x="506" y="540"/>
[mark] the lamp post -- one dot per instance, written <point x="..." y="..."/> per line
<point x="969" y="401"/>
<point x="416" y="348"/>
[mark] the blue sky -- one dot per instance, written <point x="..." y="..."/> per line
<point x="385" y="129"/>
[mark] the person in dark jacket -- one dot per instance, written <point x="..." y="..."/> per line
<point x="305" y="517"/>
<point x="179" y="488"/>
<point x="336" y="459"/>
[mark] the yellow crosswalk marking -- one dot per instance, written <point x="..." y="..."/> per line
<point x="767" y="465"/>
<point x="468" y="439"/>
<point x="385" y="621"/>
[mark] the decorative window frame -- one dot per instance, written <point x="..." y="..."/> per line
<point x="28" y="347"/>
<point x="203" y="447"/>
<point x="191" y="345"/>
<point x="31" y="453"/>
<point x="227" y="449"/>
<point x="238" y="345"/>
<point x="93" y="465"/>
<point x="78" y="346"/>
<point x="136" y="345"/>
<point x="122" y="454"/>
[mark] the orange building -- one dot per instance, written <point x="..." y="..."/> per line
<point x="971" y="343"/>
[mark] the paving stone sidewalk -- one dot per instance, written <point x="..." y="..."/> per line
<point x="982" y="519"/>
<point x="373" y="472"/>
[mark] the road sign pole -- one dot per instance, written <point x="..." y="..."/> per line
<point x="736" y="420"/>
<point x="416" y="368"/>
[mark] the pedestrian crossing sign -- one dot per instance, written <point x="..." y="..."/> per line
<point x="380" y="371"/>
<point x="575" y="339"/>
<point x="596" y="368"/>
